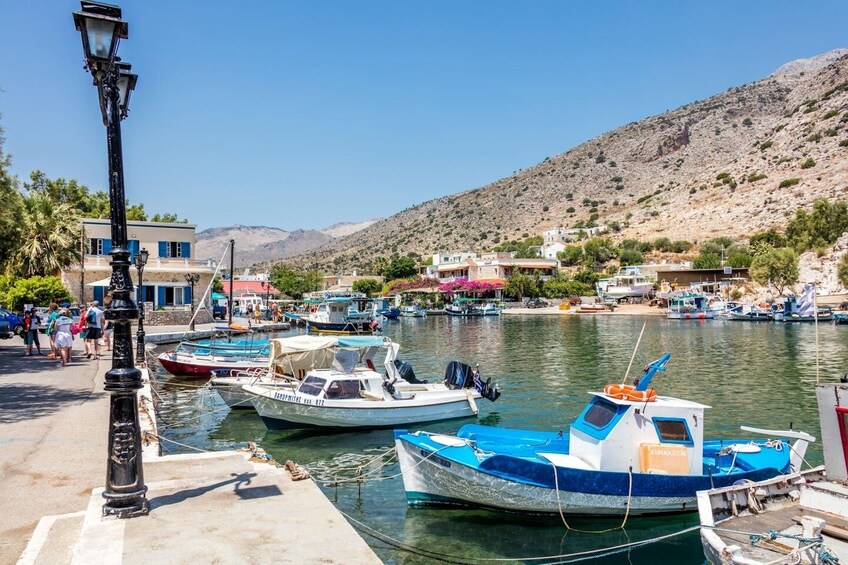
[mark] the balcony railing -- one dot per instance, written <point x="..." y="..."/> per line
<point x="175" y="263"/>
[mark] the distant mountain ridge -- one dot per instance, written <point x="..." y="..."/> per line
<point x="733" y="164"/>
<point x="256" y="244"/>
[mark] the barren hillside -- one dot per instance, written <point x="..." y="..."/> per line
<point x="733" y="164"/>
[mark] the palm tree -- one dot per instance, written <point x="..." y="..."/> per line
<point x="49" y="237"/>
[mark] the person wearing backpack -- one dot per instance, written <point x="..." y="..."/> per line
<point x="93" y="323"/>
<point x="31" y="323"/>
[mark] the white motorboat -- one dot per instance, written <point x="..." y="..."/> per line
<point x="412" y="311"/>
<point x="353" y="394"/>
<point x="801" y="517"/>
<point x="628" y="283"/>
<point x="289" y="360"/>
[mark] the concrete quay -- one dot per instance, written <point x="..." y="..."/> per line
<point x="219" y="507"/>
<point x="174" y="334"/>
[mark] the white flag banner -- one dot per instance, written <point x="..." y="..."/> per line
<point x="807" y="301"/>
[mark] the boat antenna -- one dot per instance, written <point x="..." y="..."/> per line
<point x="635" y="349"/>
<point x="232" y="282"/>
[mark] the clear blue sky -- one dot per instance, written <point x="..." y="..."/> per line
<point x="302" y="114"/>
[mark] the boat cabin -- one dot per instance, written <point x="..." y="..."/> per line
<point x="662" y="436"/>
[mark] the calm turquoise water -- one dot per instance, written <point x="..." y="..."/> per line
<point x="751" y="374"/>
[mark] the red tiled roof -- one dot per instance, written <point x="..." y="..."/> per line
<point x="243" y="287"/>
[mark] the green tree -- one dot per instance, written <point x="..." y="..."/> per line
<point x="170" y="218"/>
<point x="587" y="276"/>
<point x="820" y="227"/>
<point x="842" y="271"/>
<point x="10" y="210"/>
<point x="739" y="260"/>
<point x="521" y="285"/>
<point x="560" y="287"/>
<point x="217" y="285"/>
<point x="400" y="268"/>
<point x="377" y="266"/>
<point x="630" y="257"/>
<point x="293" y="282"/>
<point x="778" y="268"/>
<point x="571" y="255"/>
<point x="369" y="286"/>
<point x="598" y="251"/>
<point x="767" y="240"/>
<point x="707" y="261"/>
<point x="49" y="237"/>
<point x="37" y="290"/>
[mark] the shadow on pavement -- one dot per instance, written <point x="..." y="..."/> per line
<point x="22" y="401"/>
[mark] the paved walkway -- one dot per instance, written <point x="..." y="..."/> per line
<point x="52" y="439"/>
<point x="207" y="508"/>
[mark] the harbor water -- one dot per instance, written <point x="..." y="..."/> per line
<point x="756" y="374"/>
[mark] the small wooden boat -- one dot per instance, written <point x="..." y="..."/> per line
<point x="629" y="451"/>
<point x="689" y="306"/>
<point x="750" y="314"/>
<point x="199" y="359"/>
<point x="801" y="517"/>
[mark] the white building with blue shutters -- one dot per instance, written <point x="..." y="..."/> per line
<point x="171" y="249"/>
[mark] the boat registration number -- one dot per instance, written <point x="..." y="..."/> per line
<point x="436" y="459"/>
<point x="298" y="399"/>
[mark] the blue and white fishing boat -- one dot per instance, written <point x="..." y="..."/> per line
<point x="463" y="307"/>
<point x="752" y="313"/>
<point x="689" y="306"/>
<point x="413" y="311"/>
<point x="338" y="314"/>
<point x="385" y="307"/>
<point x="629" y="451"/>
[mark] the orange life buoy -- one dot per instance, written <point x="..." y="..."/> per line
<point x="628" y="392"/>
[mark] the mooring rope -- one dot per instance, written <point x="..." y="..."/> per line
<point x="550" y="559"/>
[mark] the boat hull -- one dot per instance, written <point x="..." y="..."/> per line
<point x="707" y="315"/>
<point x="202" y="368"/>
<point x="432" y="478"/>
<point x="285" y="411"/>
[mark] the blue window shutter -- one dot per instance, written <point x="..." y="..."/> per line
<point x="160" y="297"/>
<point x="133" y="246"/>
<point x="186" y="249"/>
<point x="187" y="295"/>
<point x="163" y="249"/>
<point x="98" y="294"/>
<point x="107" y="246"/>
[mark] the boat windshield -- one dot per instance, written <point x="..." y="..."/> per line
<point x="312" y="385"/>
<point x="600" y="413"/>
<point x="343" y="390"/>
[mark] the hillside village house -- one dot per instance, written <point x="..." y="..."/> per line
<point x="345" y="282"/>
<point x="447" y="266"/>
<point x="493" y="267"/>
<point x="171" y="247"/>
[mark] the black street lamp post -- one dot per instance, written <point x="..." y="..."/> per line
<point x="102" y="29"/>
<point x="192" y="278"/>
<point x="140" y="261"/>
<point x="266" y="286"/>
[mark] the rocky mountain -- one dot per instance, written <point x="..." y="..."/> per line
<point x="255" y="244"/>
<point x="733" y="164"/>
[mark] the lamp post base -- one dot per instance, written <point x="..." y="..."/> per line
<point x="126" y="505"/>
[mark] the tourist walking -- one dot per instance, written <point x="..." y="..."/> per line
<point x="257" y="313"/>
<point x="52" y="314"/>
<point x="31" y="322"/>
<point x="82" y="330"/>
<point x="275" y="312"/>
<point x="93" y="323"/>
<point x="64" y="339"/>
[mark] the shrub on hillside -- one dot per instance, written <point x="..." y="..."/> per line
<point x="789" y="182"/>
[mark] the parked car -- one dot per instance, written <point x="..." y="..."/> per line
<point x="219" y="311"/>
<point x="43" y="314"/>
<point x="5" y="330"/>
<point x="16" y="321"/>
<point x="536" y="303"/>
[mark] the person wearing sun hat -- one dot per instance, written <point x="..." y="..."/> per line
<point x="64" y="337"/>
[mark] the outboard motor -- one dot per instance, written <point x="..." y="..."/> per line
<point x="406" y="373"/>
<point x="458" y="375"/>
